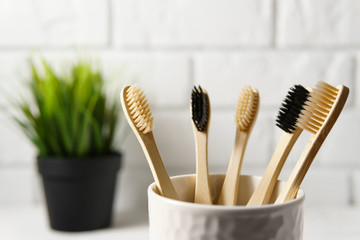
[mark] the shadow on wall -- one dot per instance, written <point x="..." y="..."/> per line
<point x="131" y="197"/>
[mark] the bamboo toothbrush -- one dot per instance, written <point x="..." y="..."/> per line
<point x="286" y="120"/>
<point x="319" y="116"/>
<point x="200" y="112"/>
<point x="246" y="113"/>
<point x="138" y="114"/>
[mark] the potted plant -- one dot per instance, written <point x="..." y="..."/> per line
<point x="72" y="123"/>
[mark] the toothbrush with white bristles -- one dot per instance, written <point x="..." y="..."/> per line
<point x="138" y="114"/>
<point x="286" y="120"/>
<point x="318" y="117"/>
<point x="245" y="117"/>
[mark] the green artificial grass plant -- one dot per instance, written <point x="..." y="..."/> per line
<point x="72" y="116"/>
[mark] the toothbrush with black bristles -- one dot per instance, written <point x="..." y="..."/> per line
<point x="322" y="109"/>
<point x="287" y="118"/>
<point x="200" y="114"/>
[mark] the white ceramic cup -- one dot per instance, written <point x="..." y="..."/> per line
<point x="183" y="220"/>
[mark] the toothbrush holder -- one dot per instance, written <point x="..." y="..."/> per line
<point x="184" y="220"/>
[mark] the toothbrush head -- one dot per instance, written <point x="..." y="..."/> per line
<point x="138" y="109"/>
<point x="200" y="108"/>
<point x="291" y="108"/>
<point x="322" y="100"/>
<point x="247" y="108"/>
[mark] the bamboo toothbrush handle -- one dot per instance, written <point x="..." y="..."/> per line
<point x="266" y="186"/>
<point x="202" y="187"/>
<point x="230" y="188"/>
<point x="292" y="185"/>
<point x="157" y="167"/>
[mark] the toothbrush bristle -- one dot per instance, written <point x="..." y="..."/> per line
<point x="317" y="107"/>
<point x="139" y="109"/>
<point x="246" y="108"/>
<point x="291" y="108"/>
<point x="200" y="108"/>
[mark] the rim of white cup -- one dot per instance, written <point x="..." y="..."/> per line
<point x="267" y="207"/>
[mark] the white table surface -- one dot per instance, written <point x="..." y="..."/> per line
<point x="27" y="223"/>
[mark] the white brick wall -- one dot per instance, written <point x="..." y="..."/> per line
<point x="318" y="23"/>
<point x="17" y="185"/>
<point x="199" y="23"/>
<point x="53" y="23"/>
<point x="167" y="46"/>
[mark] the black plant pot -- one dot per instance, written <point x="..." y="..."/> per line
<point x="79" y="192"/>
